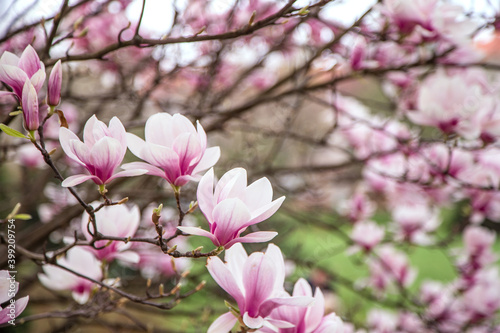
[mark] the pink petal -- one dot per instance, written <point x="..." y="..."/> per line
<point x="210" y="157"/>
<point x="229" y="215"/>
<point x="202" y="136"/>
<point x="273" y="253"/>
<point x="14" y="77"/>
<point x="280" y="323"/>
<point x="106" y="155"/>
<point x="30" y="107"/>
<point x="38" y="79"/>
<point x="223" y="324"/>
<point x="136" y="145"/>
<point x="231" y="185"/>
<point x="259" y="276"/>
<point x="88" y="131"/>
<point x="54" y="84"/>
<point x="5" y="93"/>
<point x="315" y="313"/>
<point x="65" y="138"/>
<point x="129" y="173"/>
<point x="188" y="149"/>
<point x="205" y="195"/>
<point x="29" y="61"/>
<point x="222" y="275"/>
<point x="151" y="170"/>
<point x="258" y="194"/>
<point x="117" y="131"/>
<point x="128" y="257"/>
<point x="254" y="237"/>
<point x="253" y="322"/>
<point x="9" y="58"/>
<point x="198" y="232"/>
<point x="159" y="130"/>
<point x="236" y="258"/>
<point x="302" y="288"/>
<point x="183" y="180"/>
<point x="77" y="179"/>
<point x="272" y="303"/>
<point x="21" y="304"/>
<point x="181" y="124"/>
<point x="266" y="211"/>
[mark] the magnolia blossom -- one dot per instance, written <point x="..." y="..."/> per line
<point x="173" y="150"/>
<point x="14" y="70"/>
<point x="234" y="206"/>
<point x="306" y="320"/>
<point x="8" y="289"/>
<point x="80" y="261"/>
<point x="366" y="235"/>
<point x="256" y="283"/>
<point x="391" y="266"/>
<point x="453" y="103"/>
<point x="101" y="152"/>
<point x="115" y="221"/>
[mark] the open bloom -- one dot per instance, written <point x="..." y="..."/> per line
<point x="80" y="261"/>
<point x="173" y="150"/>
<point x="116" y="221"/>
<point x="101" y="152"/>
<point x="256" y="283"/>
<point x="14" y="70"/>
<point x="8" y="289"/>
<point x="234" y="206"/>
<point x="306" y="320"/>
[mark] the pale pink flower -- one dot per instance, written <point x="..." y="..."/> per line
<point x="306" y="320"/>
<point x="14" y="70"/>
<point x="358" y="207"/>
<point x="8" y="289"/>
<point x="390" y="266"/>
<point x="54" y="85"/>
<point x="382" y="321"/>
<point x="233" y="206"/>
<point x="366" y="235"/>
<point x="79" y="260"/>
<point x="414" y="222"/>
<point x="101" y="152"/>
<point x="173" y="150"/>
<point x="452" y="103"/>
<point x="114" y="221"/>
<point x="256" y="283"/>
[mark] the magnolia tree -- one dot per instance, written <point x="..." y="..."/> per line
<point x="141" y="156"/>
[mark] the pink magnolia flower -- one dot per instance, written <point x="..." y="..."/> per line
<point x="366" y="235"/>
<point x="256" y="283"/>
<point x="390" y="267"/>
<point x="8" y="289"/>
<point x="14" y="70"/>
<point x="115" y="221"/>
<point x="54" y="85"/>
<point x="173" y="150"/>
<point x="101" y="152"/>
<point x="234" y="206"/>
<point x="79" y="260"/>
<point x="306" y="320"/>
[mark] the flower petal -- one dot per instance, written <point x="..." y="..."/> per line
<point x="224" y="278"/>
<point x="254" y="237"/>
<point x="205" y="195"/>
<point x="223" y="324"/>
<point x="77" y="179"/>
<point x="230" y="215"/>
<point x="151" y="169"/>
